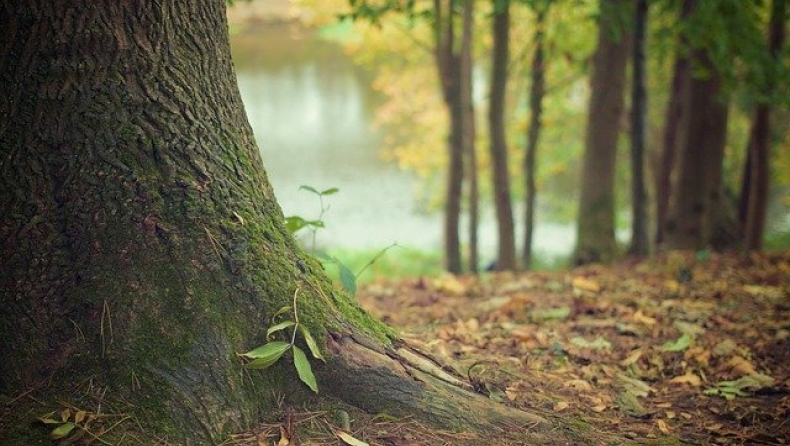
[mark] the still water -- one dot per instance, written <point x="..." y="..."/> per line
<point x="311" y="110"/>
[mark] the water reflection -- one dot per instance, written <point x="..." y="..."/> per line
<point x="311" y="111"/>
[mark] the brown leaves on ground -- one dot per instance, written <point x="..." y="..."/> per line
<point x="679" y="346"/>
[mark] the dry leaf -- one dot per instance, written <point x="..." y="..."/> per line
<point x="578" y="384"/>
<point x="663" y="426"/>
<point x="583" y="284"/>
<point x="559" y="406"/>
<point x="741" y="365"/>
<point x="349" y="439"/>
<point x="641" y="318"/>
<point x="689" y="378"/>
<point x="284" y="441"/>
<point x="632" y="358"/>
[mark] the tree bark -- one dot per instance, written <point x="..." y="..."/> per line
<point x="696" y="207"/>
<point x="143" y="246"/>
<point x="640" y="244"/>
<point x="448" y="65"/>
<point x="536" y="93"/>
<point x="595" y="227"/>
<point x="506" y="251"/>
<point x="757" y="174"/>
<point x="470" y="151"/>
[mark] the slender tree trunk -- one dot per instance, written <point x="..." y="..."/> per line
<point x="471" y="170"/>
<point x="143" y="246"/>
<point x="697" y="208"/>
<point x="596" y="241"/>
<point x="506" y="253"/>
<point x="448" y="65"/>
<point x="671" y="139"/>
<point x="757" y="173"/>
<point x="536" y="93"/>
<point x="640" y="245"/>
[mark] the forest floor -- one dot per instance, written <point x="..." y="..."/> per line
<point x="677" y="349"/>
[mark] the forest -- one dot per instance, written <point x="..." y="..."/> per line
<point x="154" y="291"/>
<point x="665" y="120"/>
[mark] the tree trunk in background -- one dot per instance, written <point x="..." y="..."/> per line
<point x="640" y="245"/>
<point x="469" y="132"/>
<point x="595" y="227"/>
<point x="754" y="194"/>
<point x="448" y="64"/>
<point x="143" y="246"/>
<point x="696" y="209"/>
<point x="536" y="93"/>
<point x="506" y="252"/>
<point x="674" y="118"/>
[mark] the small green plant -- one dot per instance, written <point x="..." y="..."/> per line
<point x="268" y="354"/>
<point x="296" y="223"/>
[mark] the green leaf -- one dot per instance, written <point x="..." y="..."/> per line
<point x="309" y="189"/>
<point x="266" y="355"/>
<point x="281" y="311"/>
<point x="308" y="338"/>
<point x="278" y="327"/>
<point x="347" y="278"/>
<point x="330" y="191"/>
<point x="62" y="431"/>
<point x="682" y="343"/>
<point x="304" y="369"/>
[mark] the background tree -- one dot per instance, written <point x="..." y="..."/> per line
<point x="716" y="33"/>
<point x="467" y="102"/>
<point x="500" y="55"/>
<point x="595" y="225"/>
<point x="671" y="132"/>
<point x="754" y="194"/>
<point x="640" y="244"/>
<point x="143" y="246"/>
<point x="536" y="93"/>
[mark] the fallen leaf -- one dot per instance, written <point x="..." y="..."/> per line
<point x="632" y="358"/>
<point x="741" y="365"/>
<point x="559" y="406"/>
<point x="663" y="426"/>
<point x="688" y="378"/>
<point x="584" y="284"/>
<point x="349" y="439"/>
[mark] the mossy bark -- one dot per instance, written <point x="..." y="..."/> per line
<point x="143" y="247"/>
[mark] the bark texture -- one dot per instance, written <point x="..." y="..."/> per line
<point x="697" y="209"/>
<point x="758" y="172"/>
<point x="506" y="247"/>
<point x="536" y="93"/>
<point x="448" y="64"/>
<point x="142" y="245"/>
<point x="640" y="244"/>
<point x="595" y="231"/>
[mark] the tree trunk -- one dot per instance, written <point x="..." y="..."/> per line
<point x="506" y="252"/>
<point x="640" y="245"/>
<point x="143" y="246"/>
<point x="671" y="139"/>
<point x="696" y="207"/>
<point x="596" y="240"/>
<point x="469" y="133"/>
<point x="448" y="64"/>
<point x="536" y="93"/>
<point x="757" y="173"/>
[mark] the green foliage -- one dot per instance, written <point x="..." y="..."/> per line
<point x="268" y="354"/>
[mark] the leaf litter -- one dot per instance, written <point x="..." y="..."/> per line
<point x="693" y="347"/>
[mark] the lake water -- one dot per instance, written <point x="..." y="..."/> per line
<point x="311" y="110"/>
